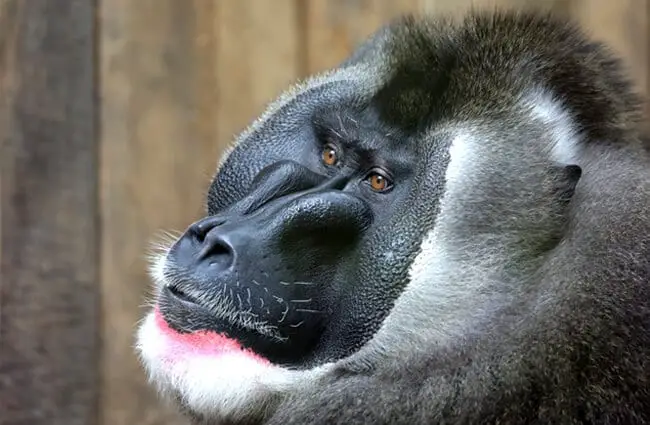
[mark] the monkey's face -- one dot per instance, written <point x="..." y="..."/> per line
<point x="286" y="262"/>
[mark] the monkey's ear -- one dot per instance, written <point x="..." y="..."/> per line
<point x="565" y="179"/>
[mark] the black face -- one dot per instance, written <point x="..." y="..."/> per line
<point x="312" y="225"/>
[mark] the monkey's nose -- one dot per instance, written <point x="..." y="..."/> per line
<point x="205" y="245"/>
<point x="216" y="250"/>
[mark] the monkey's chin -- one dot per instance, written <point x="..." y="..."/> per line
<point x="209" y="374"/>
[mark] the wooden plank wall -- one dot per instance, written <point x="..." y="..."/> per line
<point x="113" y="114"/>
<point x="49" y="232"/>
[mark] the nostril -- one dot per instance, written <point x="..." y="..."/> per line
<point x="216" y="250"/>
<point x="202" y="227"/>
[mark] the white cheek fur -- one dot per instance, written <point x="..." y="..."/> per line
<point x="564" y="137"/>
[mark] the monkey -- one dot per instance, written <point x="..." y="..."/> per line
<point x="451" y="226"/>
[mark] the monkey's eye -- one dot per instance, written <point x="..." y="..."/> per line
<point x="329" y="155"/>
<point x="378" y="181"/>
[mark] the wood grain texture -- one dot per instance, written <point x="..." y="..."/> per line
<point x="49" y="232"/>
<point x="458" y="7"/>
<point x="333" y="28"/>
<point x="258" y="56"/>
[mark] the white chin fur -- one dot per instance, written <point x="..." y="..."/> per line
<point x="225" y="385"/>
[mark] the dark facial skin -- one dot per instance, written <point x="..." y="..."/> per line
<point x="289" y="251"/>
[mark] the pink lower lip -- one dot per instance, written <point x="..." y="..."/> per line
<point x="207" y="343"/>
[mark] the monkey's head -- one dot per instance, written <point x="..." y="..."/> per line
<point x="368" y="210"/>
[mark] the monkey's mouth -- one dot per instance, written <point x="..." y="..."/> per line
<point x="198" y="343"/>
<point x="185" y="315"/>
<point x="181" y="295"/>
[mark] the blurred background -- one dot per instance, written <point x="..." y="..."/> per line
<point x="113" y="115"/>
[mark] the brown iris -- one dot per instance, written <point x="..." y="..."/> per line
<point x="378" y="182"/>
<point x="330" y="156"/>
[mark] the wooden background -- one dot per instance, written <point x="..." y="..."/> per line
<point x="113" y="114"/>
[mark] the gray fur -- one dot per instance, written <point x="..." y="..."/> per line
<point x="525" y="293"/>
